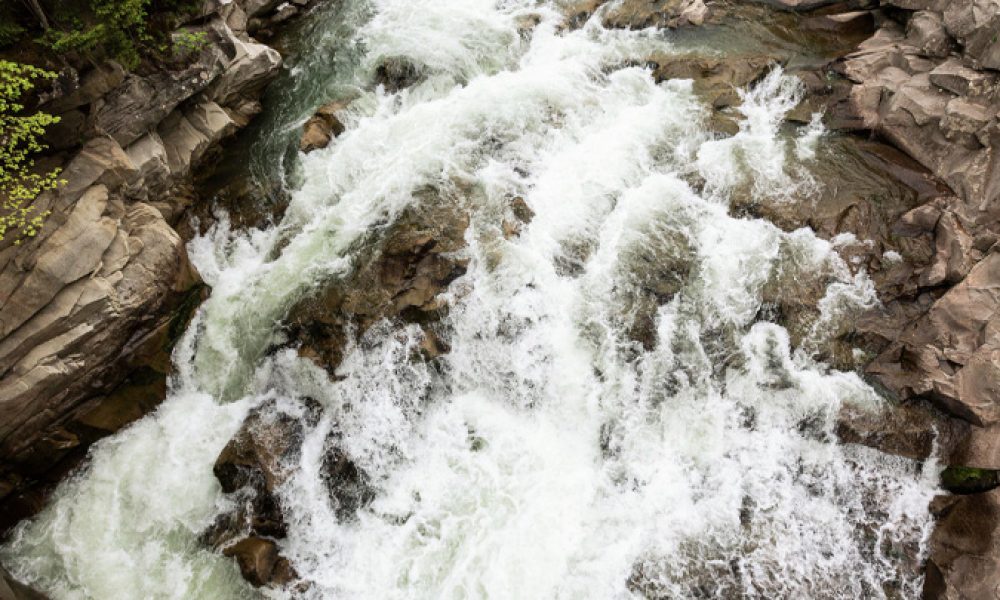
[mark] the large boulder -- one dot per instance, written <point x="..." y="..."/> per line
<point x="964" y="549"/>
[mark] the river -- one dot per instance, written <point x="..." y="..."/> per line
<point x="550" y="454"/>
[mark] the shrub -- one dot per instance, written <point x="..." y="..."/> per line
<point x="20" y="181"/>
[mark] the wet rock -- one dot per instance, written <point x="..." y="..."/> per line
<point x="12" y="589"/>
<point x="964" y="549"/>
<point x="252" y="467"/>
<point x="856" y="23"/>
<point x="322" y="127"/>
<point x="260" y="563"/>
<point x="350" y="489"/>
<point x="639" y="14"/>
<point x="259" y="454"/>
<point x="969" y="480"/>
<point x="399" y="279"/>
<point x="715" y="78"/>
<point x="804" y="5"/>
<point x="396" y="72"/>
<point x="522" y="214"/>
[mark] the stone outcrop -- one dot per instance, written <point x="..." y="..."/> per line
<point x="964" y="547"/>
<point x="322" y="127"/>
<point x="90" y="307"/>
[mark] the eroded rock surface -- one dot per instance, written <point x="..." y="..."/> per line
<point x="90" y="307"/>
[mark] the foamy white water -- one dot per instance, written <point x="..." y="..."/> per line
<point x="553" y="456"/>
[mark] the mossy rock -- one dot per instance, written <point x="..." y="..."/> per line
<point x="969" y="480"/>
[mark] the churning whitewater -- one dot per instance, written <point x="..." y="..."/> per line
<point x="550" y="454"/>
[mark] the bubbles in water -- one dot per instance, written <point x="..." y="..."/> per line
<point x="615" y="418"/>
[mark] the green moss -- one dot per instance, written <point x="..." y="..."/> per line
<point x="969" y="480"/>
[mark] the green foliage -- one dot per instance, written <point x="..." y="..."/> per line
<point x="116" y="28"/>
<point x="189" y="42"/>
<point x="20" y="181"/>
<point x="10" y="32"/>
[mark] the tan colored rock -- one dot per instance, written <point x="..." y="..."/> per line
<point x="926" y="31"/>
<point x="96" y="288"/>
<point x="187" y="136"/>
<point x="715" y="78"/>
<point x="149" y="156"/>
<point x="322" y="127"/>
<point x="257" y="558"/>
<point x="252" y="67"/>
<point x="639" y="14"/>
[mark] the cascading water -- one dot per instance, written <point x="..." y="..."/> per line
<point x="551" y="455"/>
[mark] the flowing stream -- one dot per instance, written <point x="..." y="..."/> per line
<point x="549" y="455"/>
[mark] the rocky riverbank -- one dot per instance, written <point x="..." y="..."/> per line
<point x="91" y="306"/>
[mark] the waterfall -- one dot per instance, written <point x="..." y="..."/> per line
<point x="551" y="455"/>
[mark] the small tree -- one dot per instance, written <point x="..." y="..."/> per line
<point x="20" y="180"/>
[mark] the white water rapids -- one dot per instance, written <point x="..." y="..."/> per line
<point x="550" y="456"/>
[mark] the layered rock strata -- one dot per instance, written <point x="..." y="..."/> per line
<point x="90" y="307"/>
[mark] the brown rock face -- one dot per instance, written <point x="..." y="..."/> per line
<point x="964" y="559"/>
<point x="103" y="298"/>
<point x="90" y="307"/>
<point x="950" y="355"/>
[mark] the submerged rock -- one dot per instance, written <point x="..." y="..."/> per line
<point x="717" y="79"/>
<point x="399" y="279"/>
<point x="12" y="589"/>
